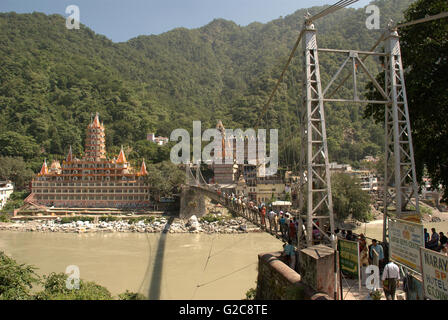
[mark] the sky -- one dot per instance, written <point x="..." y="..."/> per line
<point x="121" y="20"/>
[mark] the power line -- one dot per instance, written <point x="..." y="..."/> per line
<point x="338" y="5"/>
<point x="266" y="106"/>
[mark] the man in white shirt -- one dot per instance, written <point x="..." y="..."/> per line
<point x="391" y="279"/>
<point x="272" y="222"/>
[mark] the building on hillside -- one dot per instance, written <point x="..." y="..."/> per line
<point x="431" y="194"/>
<point x="262" y="189"/>
<point x="368" y="181"/>
<point x="341" y="168"/>
<point x="158" y="140"/>
<point x="94" y="181"/>
<point x="370" y="159"/>
<point x="6" y="189"/>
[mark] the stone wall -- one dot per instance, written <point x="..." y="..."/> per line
<point x="192" y="202"/>
<point x="277" y="281"/>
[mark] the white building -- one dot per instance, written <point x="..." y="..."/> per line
<point x="158" y="140"/>
<point x="6" y="189"/>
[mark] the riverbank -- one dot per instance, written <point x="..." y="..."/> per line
<point x="374" y="229"/>
<point x="157" y="225"/>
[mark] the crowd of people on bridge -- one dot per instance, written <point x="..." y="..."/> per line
<point x="285" y="225"/>
<point x="282" y="223"/>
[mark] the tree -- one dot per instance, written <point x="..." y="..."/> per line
<point x="14" y="144"/>
<point x="55" y="288"/>
<point x="164" y="179"/>
<point x="424" y="48"/>
<point x="16" y="170"/>
<point x="348" y="198"/>
<point x="16" y="280"/>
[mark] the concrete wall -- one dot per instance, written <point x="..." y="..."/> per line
<point x="316" y="265"/>
<point x="192" y="202"/>
<point x="277" y="281"/>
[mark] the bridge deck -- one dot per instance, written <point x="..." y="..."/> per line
<point x="266" y="224"/>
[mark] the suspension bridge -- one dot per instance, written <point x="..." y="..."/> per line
<point x="315" y="209"/>
<point x="236" y="205"/>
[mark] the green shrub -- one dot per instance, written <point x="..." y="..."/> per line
<point x="109" y="218"/>
<point x="211" y="218"/>
<point x="4" y="217"/>
<point x="144" y="219"/>
<point x="76" y="218"/>
<point x="128" y="295"/>
<point x="55" y="288"/>
<point x="250" y="294"/>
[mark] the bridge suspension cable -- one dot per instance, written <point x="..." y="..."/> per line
<point x="338" y="5"/>
<point x="422" y="20"/>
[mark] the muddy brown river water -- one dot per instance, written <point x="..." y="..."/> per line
<point x="161" y="266"/>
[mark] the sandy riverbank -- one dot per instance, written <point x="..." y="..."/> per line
<point x="374" y="229"/>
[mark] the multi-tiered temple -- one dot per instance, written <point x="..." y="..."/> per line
<point x="93" y="181"/>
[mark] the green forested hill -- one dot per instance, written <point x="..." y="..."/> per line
<point x="52" y="79"/>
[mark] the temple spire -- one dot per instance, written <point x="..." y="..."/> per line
<point x="44" y="169"/>
<point x="143" y="171"/>
<point x="96" y="121"/>
<point x="121" y="156"/>
<point x="70" y="155"/>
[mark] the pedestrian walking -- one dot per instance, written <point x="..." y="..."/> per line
<point x="391" y="280"/>
<point x="379" y="250"/>
<point x="292" y="231"/>
<point x="290" y="253"/>
<point x="283" y="226"/>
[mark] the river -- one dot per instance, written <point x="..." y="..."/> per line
<point x="161" y="266"/>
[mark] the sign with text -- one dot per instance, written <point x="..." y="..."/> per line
<point x="435" y="274"/>
<point x="405" y="240"/>
<point x="349" y="256"/>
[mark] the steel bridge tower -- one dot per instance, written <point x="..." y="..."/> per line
<point x="314" y="150"/>
<point x="400" y="182"/>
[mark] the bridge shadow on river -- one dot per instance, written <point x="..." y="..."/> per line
<point x="155" y="265"/>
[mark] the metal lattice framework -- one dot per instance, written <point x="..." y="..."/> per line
<point x="400" y="183"/>
<point x="314" y="153"/>
<point x="400" y="186"/>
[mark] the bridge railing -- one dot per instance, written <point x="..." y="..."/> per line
<point x="245" y="210"/>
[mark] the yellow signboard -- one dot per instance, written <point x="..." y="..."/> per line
<point x="435" y="274"/>
<point x="405" y="240"/>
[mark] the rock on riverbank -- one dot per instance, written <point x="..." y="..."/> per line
<point x="193" y="225"/>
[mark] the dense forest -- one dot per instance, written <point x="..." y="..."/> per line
<point x="52" y="79"/>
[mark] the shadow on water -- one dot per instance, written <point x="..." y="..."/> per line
<point x="155" y="284"/>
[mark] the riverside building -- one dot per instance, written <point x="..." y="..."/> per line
<point x="94" y="181"/>
<point x="6" y="189"/>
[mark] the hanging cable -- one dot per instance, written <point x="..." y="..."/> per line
<point x="266" y="106"/>
<point x="225" y="276"/>
<point x="425" y="19"/>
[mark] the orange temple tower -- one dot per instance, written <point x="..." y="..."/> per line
<point x="94" y="181"/>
